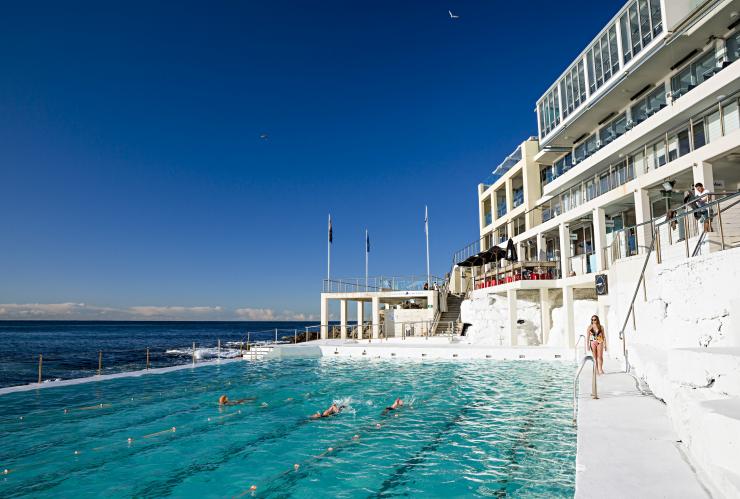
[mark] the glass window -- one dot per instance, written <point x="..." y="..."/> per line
<point x="639" y="111"/>
<point x="607" y="67"/>
<point x="634" y="29"/>
<point x="590" y="66"/>
<point x="645" y="28"/>
<point x="581" y="81"/>
<point x="576" y="196"/>
<point x="684" y="146"/>
<point x="590" y="190"/>
<point x="613" y="49"/>
<point x="660" y="153"/>
<point x="733" y="47"/>
<point x="624" y="32"/>
<point x="682" y="82"/>
<point x="655" y="17"/>
<point x="714" y="130"/>
<point x="656" y="100"/>
<point x="556" y="101"/>
<point x="638" y="162"/>
<point x="604" y="182"/>
<point x="672" y="147"/>
<point x="597" y="65"/>
<point x="703" y="68"/>
<point x="650" y="158"/>
<point x="730" y="117"/>
<point x="699" y="132"/>
<point x="566" y="201"/>
<point x="567" y="106"/>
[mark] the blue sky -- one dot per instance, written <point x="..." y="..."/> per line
<point x="134" y="183"/>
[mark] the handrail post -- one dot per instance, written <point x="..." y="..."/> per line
<point x="275" y="335"/>
<point x="219" y="350"/>
<point x="147" y="357"/>
<point x="193" y="353"/>
<point x="721" y="229"/>
<point x="41" y="363"/>
<point x="295" y="336"/>
<point x="100" y="361"/>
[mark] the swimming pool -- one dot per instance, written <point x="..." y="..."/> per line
<point x="468" y="428"/>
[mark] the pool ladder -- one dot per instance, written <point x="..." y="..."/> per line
<point x="594" y="391"/>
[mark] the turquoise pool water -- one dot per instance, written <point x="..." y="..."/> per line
<point x="500" y="429"/>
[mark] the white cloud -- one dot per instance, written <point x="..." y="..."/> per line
<point x="83" y="311"/>
<point x="269" y="314"/>
<point x="154" y="311"/>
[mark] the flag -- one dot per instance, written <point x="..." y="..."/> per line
<point x="329" y="228"/>
<point x="367" y="242"/>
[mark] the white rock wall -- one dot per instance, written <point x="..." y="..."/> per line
<point x="488" y="314"/>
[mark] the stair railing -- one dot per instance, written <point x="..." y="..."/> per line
<point x="708" y="208"/>
<point x="594" y="391"/>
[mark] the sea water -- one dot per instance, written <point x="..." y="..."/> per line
<point x="478" y="428"/>
<point x="71" y="349"/>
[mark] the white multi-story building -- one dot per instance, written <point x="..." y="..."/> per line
<point x="645" y="112"/>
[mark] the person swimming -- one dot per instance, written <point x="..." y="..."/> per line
<point x="395" y="405"/>
<point x="224" y="400"/>
<point x="333" y="409"/>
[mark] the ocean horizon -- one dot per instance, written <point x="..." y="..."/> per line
<point x="72" y="348"/>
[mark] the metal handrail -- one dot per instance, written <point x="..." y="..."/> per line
<point x="585" y="346"/>
<point x="594" y="388"/>
<point x="630" y="310"/>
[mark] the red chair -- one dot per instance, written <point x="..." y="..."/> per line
<point x="509" y="279"/>
<point x="534" y="276"/>
<point x="517" y="277"/>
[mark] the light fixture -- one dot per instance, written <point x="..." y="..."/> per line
<point x="668" y="185"/>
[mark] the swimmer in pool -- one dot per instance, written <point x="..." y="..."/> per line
<point x="224" y="400"/>
<point x="333" y="409"/>
<point x="395" y="405"/>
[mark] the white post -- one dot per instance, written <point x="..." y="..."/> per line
<point x="568" y="324"/>
<point x="324" y="317"/>
<point x="644" y="233"/>
<point x="511" y="302"/>
<point x="426" y="231"/>
<point x="360" y="318"/>
<point x="376" y="317"/>
<point x="343" y="319"/>
<point x="599" y="236"/>
<point x="545" y="323"/>
<point x="564" y="232"/>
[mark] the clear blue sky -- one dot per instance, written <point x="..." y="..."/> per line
<point x="132" y="173"/>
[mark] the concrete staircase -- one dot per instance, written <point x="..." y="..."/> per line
<point x="448" y="320"/>
<point x="702" y="389"/>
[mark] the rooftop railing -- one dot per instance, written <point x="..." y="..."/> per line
<point x="381" y="283"/>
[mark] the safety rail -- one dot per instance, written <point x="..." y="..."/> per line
<point x="382" y="283"/>
<point x="45" y="367"/>
<point x="392" y="329"/>
<point x="708" y="212"/>
<point x="594" y="388"/>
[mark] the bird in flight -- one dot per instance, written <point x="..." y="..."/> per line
<point x="263" y="136"/>
<point x="453" y="16"/>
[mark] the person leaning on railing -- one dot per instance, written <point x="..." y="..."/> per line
<point x="702" y="199"/>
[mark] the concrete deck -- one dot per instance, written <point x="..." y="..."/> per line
<point x="627" y="446"/>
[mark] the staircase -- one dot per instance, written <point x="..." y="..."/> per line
<point x="448" y="320"/>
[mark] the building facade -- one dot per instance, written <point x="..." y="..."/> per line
<point x="646" y="111"/>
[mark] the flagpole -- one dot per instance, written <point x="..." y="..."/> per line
<point x="367" y="254"/>
<point x="328" y="254"/>
<point x="426" y="230"/>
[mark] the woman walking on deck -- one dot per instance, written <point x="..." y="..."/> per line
<point x="597" y="341"/>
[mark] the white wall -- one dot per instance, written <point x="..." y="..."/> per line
<point x="395" y="318"/>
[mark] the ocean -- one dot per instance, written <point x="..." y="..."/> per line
<point x="71" y="349"/>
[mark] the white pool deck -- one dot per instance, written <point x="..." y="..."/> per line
<point x="627" y="446"/>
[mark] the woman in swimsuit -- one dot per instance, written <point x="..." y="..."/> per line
<point x="597" y="341"/>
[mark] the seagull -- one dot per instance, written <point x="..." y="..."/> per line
<point x="453" y="16"/>
<point x="263" y="136"/>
